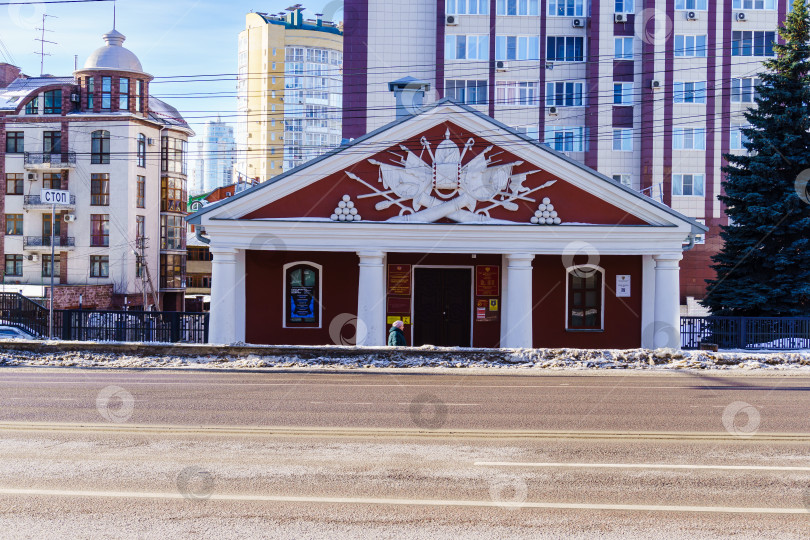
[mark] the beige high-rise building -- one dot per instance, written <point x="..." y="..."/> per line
<point x="289" y="91"/>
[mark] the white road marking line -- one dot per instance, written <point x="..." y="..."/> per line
<point x="645" y="466"/>
<point x="389" y="385"/>
<point x="408" y="502"/>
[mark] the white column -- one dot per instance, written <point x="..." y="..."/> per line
<point x="667" y="300"/>
<point x="371" y="299"/>
<point x="226" y="324"/>
<point x="647" y="301"/>
<point x="518" y="301"/>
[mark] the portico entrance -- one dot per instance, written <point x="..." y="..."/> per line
<point x="442" y="306"/>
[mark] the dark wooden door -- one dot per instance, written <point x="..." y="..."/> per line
<point x="442" y="307"/>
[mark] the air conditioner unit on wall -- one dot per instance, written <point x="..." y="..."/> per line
<point x="150" y="141"/>
<point x="451" y="20"/>
<point x="552" y="111"/>
<point x="33" y="258"/>
<point x="578" y="23"/>
<point x="691" y="16"/>
<point x="620" y="18"/>
<point x="32" y="176"/>
<point x="69" y="218"/>
<point x="741" y="16"/>
<point x="655" y="84"/>
<point x="500" y="65"/>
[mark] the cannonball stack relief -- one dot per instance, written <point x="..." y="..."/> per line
<point x="546" y="215"/>
<point x="345" y="210"/>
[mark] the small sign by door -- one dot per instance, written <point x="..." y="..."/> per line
<point x="622" y="286"/>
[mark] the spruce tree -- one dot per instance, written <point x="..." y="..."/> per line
<point x="763" y="268"/>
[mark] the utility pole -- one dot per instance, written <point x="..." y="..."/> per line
<point x="42" y="42"/>
<point x="53" y="253"/>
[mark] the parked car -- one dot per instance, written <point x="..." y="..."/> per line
<point x="12" y="332"/>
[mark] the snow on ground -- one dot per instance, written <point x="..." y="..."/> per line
<point x="336" y="357"/>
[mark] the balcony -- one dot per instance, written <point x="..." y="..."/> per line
<point x="43" y="243"/>
<point x="41" y="161"/>
<point x="34" y="201"/>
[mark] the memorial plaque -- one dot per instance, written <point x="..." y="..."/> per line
<point x="399" y="279"/>
<point x="487" y="280"/>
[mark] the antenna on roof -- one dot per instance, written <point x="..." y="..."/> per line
<point x="42" y="42"/>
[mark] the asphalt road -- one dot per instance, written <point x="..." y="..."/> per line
<point x="159" y="454"/>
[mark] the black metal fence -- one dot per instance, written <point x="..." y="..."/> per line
<point x="769" y="333"/>
<point x="92" y="325"/>
<point x="160" y="326"/>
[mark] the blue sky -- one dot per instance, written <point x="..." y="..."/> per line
<point x="170" y="37"/>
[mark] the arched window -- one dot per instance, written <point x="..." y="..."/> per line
<point x="100" y="148"/>
<point x="585" y="298"/>
<point x="141" y="150"/>
<point x="302" y="292"/>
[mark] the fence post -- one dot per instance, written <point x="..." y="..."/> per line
<point x="206" y="318"/>
<point x="67" y="324"/>
<point x="743" y="332"/>
<point x="175" y="326"/>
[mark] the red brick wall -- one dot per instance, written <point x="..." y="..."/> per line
<point x="93" y="296"/>
<point x="7" y="74"/>
<point x="696" y="263"/>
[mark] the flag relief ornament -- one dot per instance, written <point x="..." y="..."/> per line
<point x="427" y="192"/>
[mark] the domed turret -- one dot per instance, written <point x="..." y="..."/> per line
<point x="113" y="55"/>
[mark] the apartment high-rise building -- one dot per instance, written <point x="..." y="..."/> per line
<point x="289" y="91"/>
<point x="121" y="155"/>
<point x="650" y="92"/>
<point x="215" y="157"/>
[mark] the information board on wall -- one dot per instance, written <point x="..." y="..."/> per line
<point x="399" y="279"/>
<point x="487" y="280"/>
<point x="622" y="286"/>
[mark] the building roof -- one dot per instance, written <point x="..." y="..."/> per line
<point x="114" y="56"/>
<point x="163" y="113"/>
<point x="196" y="218"/>
<point x="12" y="95"/>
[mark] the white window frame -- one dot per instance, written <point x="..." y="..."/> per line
<point x="625" y="179"/>
<point x="737" y="138"/>
<point x="625" y="93"/>
<point x="683" y="135"/>
<point x="624" y="6"/>
<point x="531" y="131"/>
<point x="620" y="46"/>
<point x="523" y="48"/>
<point x="690" y="45"/>
<point x="523" y="93"/>
<point x="754" y="5"/>
<point x="575" y="268"/>
<point x="677" y="185"/>
<point x="578" y="91"/>
<point x="468" y="7"/>
<point x="284" y="295"/>
<point x="481" y="46"/>
<point x="525" y="8"/>
<point x="698" y="92"/>
<point x="622" y="139"/>
<point x="577" y="137"/>
<point x="692" y="5"/>
<point x="737" y="85"/>
<point x="571" y="8"/>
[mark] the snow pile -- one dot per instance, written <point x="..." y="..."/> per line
<point x="336" y="357"/>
